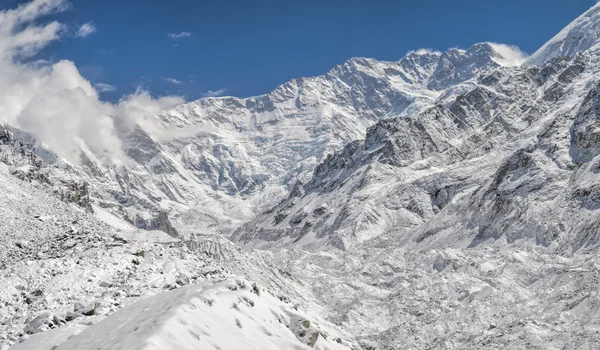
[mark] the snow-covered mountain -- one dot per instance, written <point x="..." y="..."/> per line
<point x="412" y="171"/>
<point x="215" y="163"/>
<point x="444" y="201"/>
<point x="492" y="158"/>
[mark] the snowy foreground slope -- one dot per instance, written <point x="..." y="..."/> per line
<point x="444" y="201"/>
<point x="63" y="270"/>
<point x="228" y="314"/>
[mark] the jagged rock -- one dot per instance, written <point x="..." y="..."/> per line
<point x="105" y="284"/>
<point x="442" y="261"/>
<point x="313" y="339"/>
<point x="77" y="192"/>
<point x="585" y="131"/>
<point x="297" y="190"/>
<point x="89" y="310"/>
<point x="77" y="307"/>
<point x="182" y="281"/>
<point x="70" y="316"/>
<point x="161" y="222"/>
<point x="40" y="323"/>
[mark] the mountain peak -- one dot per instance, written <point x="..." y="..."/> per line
<point x="580" y="35"/>
<point x="456" y="65"/>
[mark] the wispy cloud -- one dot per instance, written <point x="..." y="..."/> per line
<point x="86" y="30"/>
<point x="102" y="87"/>
<point x="172" y="81"/>
<point x="104" y="51"/>
<point x="214" y="93"/>
<point x="179" y="35"/>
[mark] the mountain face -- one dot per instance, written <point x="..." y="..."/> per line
<point x="216" y="163"/>
<point x="445" y="201"/>
<point x="411" y="171"/>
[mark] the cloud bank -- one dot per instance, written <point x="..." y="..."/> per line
<point x="53" y="101"/>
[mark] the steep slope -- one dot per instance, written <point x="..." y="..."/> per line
<point x="580" y="35"/>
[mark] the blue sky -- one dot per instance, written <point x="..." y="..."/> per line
<point x="246" y="48"/>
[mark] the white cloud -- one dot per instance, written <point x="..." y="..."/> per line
<point x="29" y="39"/>
<point x="142" y="109"/>
<point x="214" y="93"/>
<point x="424" y="52"/>
<point x="511" y="55"/>
<point x="86" y="30"/>
<point x="102" y="87"/>
<point x="179" y="35"/>
<point x="53" y="101"/>
<point x="172" y="81"/>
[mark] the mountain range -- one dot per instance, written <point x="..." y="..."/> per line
<point x="445" y="200"/>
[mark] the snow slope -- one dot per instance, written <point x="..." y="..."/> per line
<point x="580" y="35"/>
<point x="228" y="315"/>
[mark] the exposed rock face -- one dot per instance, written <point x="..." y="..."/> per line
<point x="77" y="192"/>
<point x="585" y="132"/>
<point x="210" y="165"/>
<point x="456" y="66"/>
<point x="162" y="223"/>
<point x="19" y="151"/>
